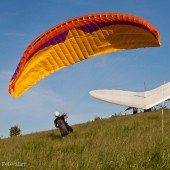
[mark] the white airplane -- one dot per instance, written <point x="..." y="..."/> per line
<point x="144" y="100"/>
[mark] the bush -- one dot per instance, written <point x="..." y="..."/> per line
<point x="15" y="131"/>
<point x="97" y="118"/>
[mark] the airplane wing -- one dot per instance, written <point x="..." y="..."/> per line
<point x="143" y="100"/>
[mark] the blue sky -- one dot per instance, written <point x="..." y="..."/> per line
<point x="68" y="89"/>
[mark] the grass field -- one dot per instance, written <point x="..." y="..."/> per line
<point x="131" y="142"/>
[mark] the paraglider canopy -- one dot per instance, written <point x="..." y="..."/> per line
<point x="78" y="39"/>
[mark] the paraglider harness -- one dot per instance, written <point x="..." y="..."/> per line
<point x="63" y="126"/>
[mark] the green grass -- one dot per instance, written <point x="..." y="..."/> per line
<point x="131" y="142"/>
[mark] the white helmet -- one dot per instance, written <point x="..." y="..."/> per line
<point x="57" y="114"/>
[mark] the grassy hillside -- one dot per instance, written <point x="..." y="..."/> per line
<point x="120" y="142"/>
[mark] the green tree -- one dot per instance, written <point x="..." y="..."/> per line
<point x="15" y="131"/>
<point x="97" y="118"/>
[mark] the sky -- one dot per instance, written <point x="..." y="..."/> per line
<point x="67" y="90"/>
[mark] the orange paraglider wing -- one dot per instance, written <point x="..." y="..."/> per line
<point x="78" y="39"/>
